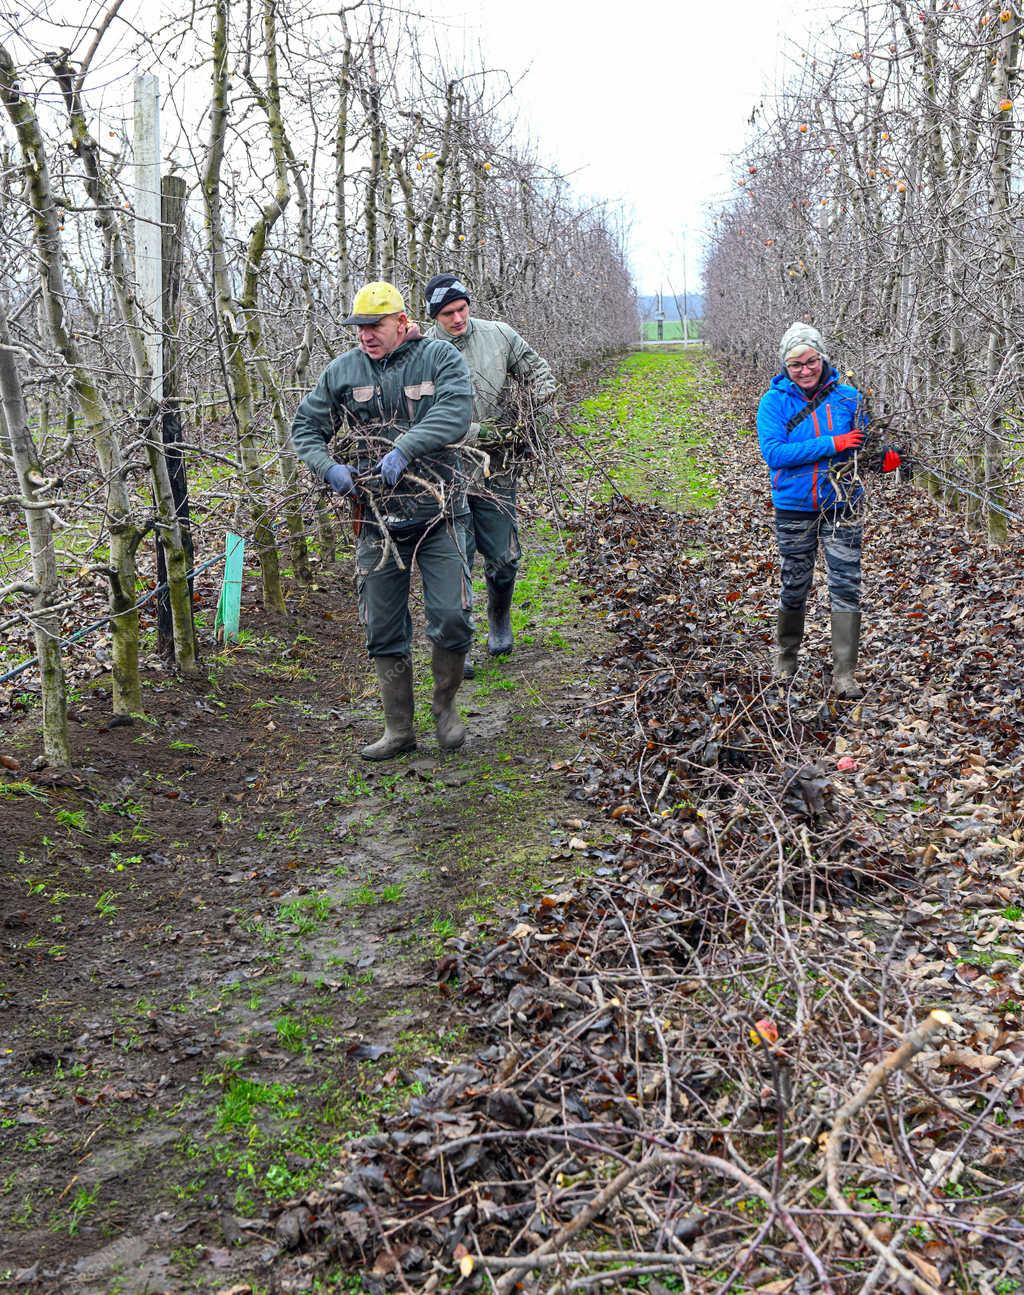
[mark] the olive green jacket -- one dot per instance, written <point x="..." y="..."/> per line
<point x="418" y="399"/>
<point x="503" y="366"/>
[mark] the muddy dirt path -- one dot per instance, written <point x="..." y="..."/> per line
<point x="230" y="947"/>
<point x="221" y="933"/>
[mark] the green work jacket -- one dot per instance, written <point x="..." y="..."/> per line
<point x="503" y="366"/>
<point x="418" y="399"/>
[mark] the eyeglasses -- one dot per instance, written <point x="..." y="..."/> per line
<point x="795" y="366"/>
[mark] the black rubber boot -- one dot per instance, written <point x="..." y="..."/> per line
<point x="499" y="616"/>
<point x="394" y="674"/>
<point x="789" y="634"/>
<point x="468" y="668"/>
<point x="845" y="648"/>
<point x="448" y="668"/>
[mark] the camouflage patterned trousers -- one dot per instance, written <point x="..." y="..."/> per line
<point x="840" y="535"/>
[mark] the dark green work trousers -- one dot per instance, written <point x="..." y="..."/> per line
<point x="493" y="530"/>
<point x="438" y="549"/>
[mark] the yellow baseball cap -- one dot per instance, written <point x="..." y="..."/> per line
<point x="375" y="301"/>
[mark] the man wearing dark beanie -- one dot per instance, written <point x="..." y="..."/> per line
<point x="442" y="290"/>
<point x="513" y="387"/>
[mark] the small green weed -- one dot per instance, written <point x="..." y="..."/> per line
<point x="82" y="1202"/>
<point x="105" y="905"/>
<point x="21" y="789"/>
<point x="73" y="818"/>
<point x="291" y="1033"/>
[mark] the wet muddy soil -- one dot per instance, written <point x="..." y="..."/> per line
<point x="221" y="932"/>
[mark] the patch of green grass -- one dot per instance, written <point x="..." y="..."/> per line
<point x="274" y="1142"/>
<point x="362" y="897"/>
<point x="356" y="785"/>
<point x="285" y="670"/>
<point x="644" y="430"/>
<point x="127" y="808"/>
<point x="72" y="818"/>
<point x="291" y="1033"/>
<point x="306" y="912"/>
<point x="21" y="788"/>
<point x="671" y="330"/>
<point x="985" y="958"/>
<point x="242" y="1097"/>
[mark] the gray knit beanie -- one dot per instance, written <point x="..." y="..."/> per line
<point x="798" y="337"/>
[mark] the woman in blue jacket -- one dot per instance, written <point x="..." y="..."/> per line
<point x="810" y="425"/>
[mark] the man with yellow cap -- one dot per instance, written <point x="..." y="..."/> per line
<point x="397" y="404"/>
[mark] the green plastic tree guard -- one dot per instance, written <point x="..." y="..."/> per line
<point x="230" y="605"/>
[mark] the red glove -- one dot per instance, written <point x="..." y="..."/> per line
<point x="891" y="460"/>
<point x="848" y="441"/>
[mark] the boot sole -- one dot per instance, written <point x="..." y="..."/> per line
<point x="388" y="754"/>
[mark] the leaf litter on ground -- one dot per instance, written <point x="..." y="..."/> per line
<point x="664" y="1044"/>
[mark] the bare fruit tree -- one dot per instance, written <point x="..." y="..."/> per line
<point x="307" y="155"/>
<point x="877" y="198"/>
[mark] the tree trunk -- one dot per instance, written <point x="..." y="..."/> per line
<point x="232" y="326"/>
<point x="173" y="191"/>
<point x="45" y="621"/>
<point x="340" y="175"/>
<point x="269" y="100"/>
<point x="126" y="296"/>
<point x="124" y="535"/>
<point x="990" y="468"/>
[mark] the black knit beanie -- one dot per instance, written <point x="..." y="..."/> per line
<point x="442" y="290"/>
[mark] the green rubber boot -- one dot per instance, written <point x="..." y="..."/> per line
<point x="789" y="633"/>
<point x="845" y="648"/>
<point x="448" y="674"/>
<point x="499" y="617"/>
<point x="394" y="674"/>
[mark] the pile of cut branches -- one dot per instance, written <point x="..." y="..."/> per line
<point x="772" y="1041"/>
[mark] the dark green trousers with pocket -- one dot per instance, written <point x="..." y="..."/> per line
<point x="492" y="530"/>
<point x="438" y="549"/>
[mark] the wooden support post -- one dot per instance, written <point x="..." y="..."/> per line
<point x="173" y="191"/>
<point x="148" y="275"/>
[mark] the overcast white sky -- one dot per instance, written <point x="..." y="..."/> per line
<point x="642" y="101"/>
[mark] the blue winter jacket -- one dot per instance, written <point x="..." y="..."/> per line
<point x="800" y="459"/>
